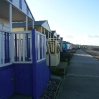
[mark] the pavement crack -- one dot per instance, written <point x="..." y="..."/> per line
<point x="82" y="75"/>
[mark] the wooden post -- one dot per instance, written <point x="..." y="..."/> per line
<point x="41" y="29"/>
<point x="12" y="37"/>
<point x="26" y="23"/>
<point x="48" y="35"/>
<point x="10" y="16"/>
<point x="33" y="24"/>
<point x="44" y="31"/>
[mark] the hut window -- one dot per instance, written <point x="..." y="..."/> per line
<point x="20" y="4"/>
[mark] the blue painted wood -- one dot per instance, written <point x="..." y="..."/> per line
<point x="6" y="82"/>
<point x="34" y="61"/>
<point x="29" y="79"/>
<point x="16" y="47"/>
<point x="36" y="48"/>
<point x="5" y="47"/>
<point x="8" y="47"/>
<point x="20" y="4"/>
<point x="40" y="46"/>
<point x="42" y="78"/>
<point x="27" y="11"/>
<point x="6" y="42"/>
<point x="41" y="73"/>
<point x="29" y="47"/>
<point x="44" y="47"/>
<point x="23" y="79"/>
<point x="10" y="0"/>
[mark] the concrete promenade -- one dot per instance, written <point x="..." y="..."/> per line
<point x="82" y="78"/>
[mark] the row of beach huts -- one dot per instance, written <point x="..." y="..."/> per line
<point x="27" y="48"/>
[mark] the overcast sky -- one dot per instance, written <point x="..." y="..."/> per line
<point x="77" y="21"/>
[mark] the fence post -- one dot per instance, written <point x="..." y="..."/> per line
<point x="2" y="40"/>
<point x="12" y="47"/>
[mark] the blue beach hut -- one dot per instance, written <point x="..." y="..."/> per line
<point x="23" y="67"/>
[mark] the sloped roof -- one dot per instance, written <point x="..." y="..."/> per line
<point x="19" y="13"/>
<point x="54" y="33"/>
<point x="24" y="6"/>
<point x="61" y="38"/>
<point x="58" y="36"/>
<point x="44" y="24"/>
<point x="38" y="23"/>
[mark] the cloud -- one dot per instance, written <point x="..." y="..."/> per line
<point x="93" y="36"/>
<point x="69" y="36"/>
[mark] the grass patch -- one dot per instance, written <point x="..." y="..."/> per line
<point x="57" y="71"/>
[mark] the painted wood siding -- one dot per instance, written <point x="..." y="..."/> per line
<point x="16" y="3"/>
<point x="23" y="79"/>
<point x="6" y="82"/>
<point x="24" y="8"/>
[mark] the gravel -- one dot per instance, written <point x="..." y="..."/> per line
<point x="51" y="89"/>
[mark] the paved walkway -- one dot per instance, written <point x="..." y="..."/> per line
<point x="82" y="78"/>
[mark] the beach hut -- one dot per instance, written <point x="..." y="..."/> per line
<point x="61" y="42"/>
<point x="23" y="67"/>
<point x="40" y="26"/>
<point x="54" y="49"/>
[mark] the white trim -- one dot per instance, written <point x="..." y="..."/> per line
<point x="38" y="47"/>
<point x="26" y="62"/>
<point x="26" y="23"/>
<point x="45" y="48"/>
<point x="19" y="48"/>
<point x="5" y="31"/>
<point x="3" y="65"/>
<point x="10" y="16"/>
<point x="21" y="32"/>
<point x="41" y="29"/>
<point x="33" y="24"/>
<point x="42" y="47"/>
<point x="48" y="34"/>
<point x="31" y="46"/>
<point x="23" y="47"/>
<point x="44" y="31"/>
<point x="41" y="60"/>
<point x="40" y="33"/>
<point x="16" y="32"/>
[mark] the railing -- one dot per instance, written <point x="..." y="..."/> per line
<point x="4" y="47"/>
<point x="15" y="47"/>
<point x="22" y="46"/>
<point x="41" y="46"/>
